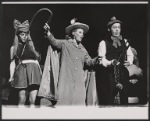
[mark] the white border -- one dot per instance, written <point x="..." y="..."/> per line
<point x="73" y="112"/>
<point x="79" y="2"/>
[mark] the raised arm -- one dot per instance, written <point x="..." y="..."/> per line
<point x="57" y="43"/>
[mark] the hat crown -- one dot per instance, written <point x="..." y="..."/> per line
<point x="113" y="18"/>
<point x="76" y="25"/>
<point x="73" y="21"/>
<point x="19" y="26"/>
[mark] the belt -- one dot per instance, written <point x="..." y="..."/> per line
<point x="32" y="61"/>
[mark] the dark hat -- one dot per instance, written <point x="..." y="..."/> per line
<point x="113" y="20"/>
<point x="24" y="27"/>
<point x="76" y="25"/>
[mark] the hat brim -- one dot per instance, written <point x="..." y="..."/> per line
<point x="77" y="26"/>
<point x="114" y="21"/>
<point x="23" y="29"/>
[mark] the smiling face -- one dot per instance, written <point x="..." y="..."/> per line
<point x="78" y="34"/>
<point x="23" y="36"/>
<point x="116" y="29"/>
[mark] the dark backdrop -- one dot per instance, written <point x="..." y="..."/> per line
<point x="133" y="16"/>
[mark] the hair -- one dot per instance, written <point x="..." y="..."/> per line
<point x="16" y="42"/>
<point x="71" y="35"/>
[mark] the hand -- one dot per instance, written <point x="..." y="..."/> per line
<point x="133" y="81"/>
<point x="114" y="62"/>
<point x="126" y="63"/>
<point x="10" y="81"/>
<point x="47" y="28"/>
<point x="99" y="59"/>
<point x="119" y="86"/>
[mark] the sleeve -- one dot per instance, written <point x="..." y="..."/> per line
<point x="130" y="56"/>
<point x="55" y="42"/>
<point x="89" y="61"/>
<point x="102" y="54"/>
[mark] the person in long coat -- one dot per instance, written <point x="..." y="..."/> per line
<point x="71" y="89"/>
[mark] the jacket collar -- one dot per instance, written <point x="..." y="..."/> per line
<point x="77" y="46"/>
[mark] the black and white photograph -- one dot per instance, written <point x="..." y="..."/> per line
<point x="74" y="60"/>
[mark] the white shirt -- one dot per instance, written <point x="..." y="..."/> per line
<point x="102" y="53"/>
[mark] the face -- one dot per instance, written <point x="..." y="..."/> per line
<point x="78" y="34"/>
<point x="116" y="29"/>
<point x="23" y="36"/>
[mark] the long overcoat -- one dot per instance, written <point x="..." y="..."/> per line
<point x="71" y="84"/>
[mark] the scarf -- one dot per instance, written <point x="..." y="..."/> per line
<point x="116" y="41"/>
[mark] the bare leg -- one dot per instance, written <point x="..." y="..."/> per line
<point x="32" y="97"/>
<point x="22" y="97"/>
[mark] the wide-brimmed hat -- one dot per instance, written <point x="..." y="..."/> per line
<point x="113" y="20"/>
<point x="76" y="25"/>
<point x="21" y="27"/>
